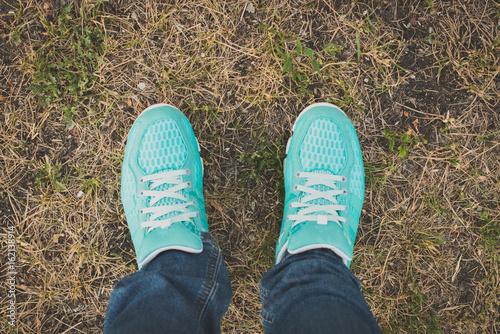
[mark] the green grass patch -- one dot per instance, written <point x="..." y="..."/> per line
<point x="490" y="231"/>
<point x="301" y="72"/>
<point x="405" y="141"/>
<point x="416" y="320"/>
<point x="50" y="176"/>
<point x="267" y="158"/>
<point x="67" y="65"/>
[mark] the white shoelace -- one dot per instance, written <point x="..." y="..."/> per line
<point x="309" y="208"/>
<point x="174" y="178"/>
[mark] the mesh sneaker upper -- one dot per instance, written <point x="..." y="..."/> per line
<point x="323" y="148"/>
<point x="357" y="181"/>
<point x="322" y="151"/>
<point x="162" y="148"/>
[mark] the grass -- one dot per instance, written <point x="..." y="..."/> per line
<point x="268" y="157"/>
<point x="419" y="79"/>
<point x="406" y="140"/>
<point x="66" y="66"/>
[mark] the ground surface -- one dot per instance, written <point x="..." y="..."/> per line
<point x="419" y="79"/>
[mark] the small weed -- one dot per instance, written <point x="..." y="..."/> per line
<point x="91" y="185"/>
<point x="441" y="64"/>
<point x="484" y="137"/>
<point x="300" y="74"/>
<point x="332" y="49"/>
<point x="430" y="39"/>
<point x="406" y="142"/>
<point x="427" y="241"/>
<point x="358" y="46"/>
<point x="491" y="230"/>
<point x="429" y="3"/>
<point x="391" y="136"/>
<point x="269" y="157"/>
<point x="15" y="33"/>
<point x="50" y="175"/>
<point x="68" y="112"/>
<point x="311" y="54"/>
<point x="437" y="204"/>
<point x="376" y="175"/>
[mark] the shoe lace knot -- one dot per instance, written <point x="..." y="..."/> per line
<point x="167" y="202"/>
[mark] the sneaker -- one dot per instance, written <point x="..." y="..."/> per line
<point x="324" y="184"/>
<point x="162" y="184"/>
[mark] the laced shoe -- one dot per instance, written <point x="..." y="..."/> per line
<point x="324" y="184"/>
<point x="161" y="185"/>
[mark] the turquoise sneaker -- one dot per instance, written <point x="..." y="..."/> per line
<point x="162" y="184"/>
<point x="324" y="184"/>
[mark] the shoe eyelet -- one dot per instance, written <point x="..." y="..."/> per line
<point x="194" y="202"/>
<point x="344" y="179"/>
<point x="190" y="185"/>
<point x="141" y="212"/>
<point x="297" y="174"/>
<point x="344" y="191"/>
<point x="141" y="180"/>
<point x="295" y="187"/>
<point x="141" y="193"/>
<point x="188" y="171"/>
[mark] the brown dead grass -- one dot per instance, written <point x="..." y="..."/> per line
<point x="427" y="251"/>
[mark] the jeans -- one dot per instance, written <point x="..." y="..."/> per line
<point x="178" y="292"/>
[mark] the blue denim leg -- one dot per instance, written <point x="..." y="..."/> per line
<point x="177" y="292"/>
<point x="314" y="292"/>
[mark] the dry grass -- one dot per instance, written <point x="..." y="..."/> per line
<point x="428" y="249"/>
